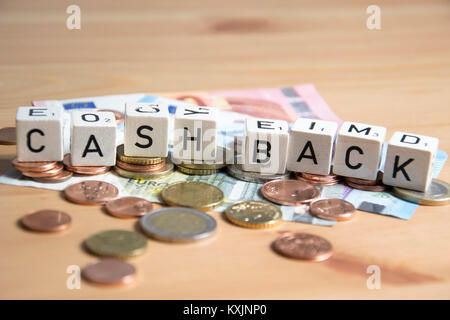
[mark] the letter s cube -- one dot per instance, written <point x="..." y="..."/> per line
<point x="39" y="133"/>
<point x="93" y="138"/>
<point x="146" y="130"/>
<point x="409" y="161"/>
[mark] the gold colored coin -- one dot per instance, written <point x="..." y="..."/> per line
<point x="136" y="160"/>
<point x="168" y="168"/>
<point x="117" y="244"/>
<point x="223" y="156"/>
<point x="254" y="214"/>
<point x="438" y="194"/>
<point x="192" y="194"/>
<point x="198" y="172"/>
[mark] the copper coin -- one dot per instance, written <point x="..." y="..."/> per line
<point x="85" y="170"/>
<point x="128" y="207"/>
<point x="91" y="192"/>
<point x="47" y="221"/>
<point x="319" y="177"/>
<point x="59" y="167"/>
<point x="63" y="176"/>
<point x="332" y="209"/>
<point x="376" y="188"/>
<point x="110" y="272"/>
<point x="317" y="182"/>
<point x="303" y="246"/>
<point x="29" y="166"/>
<point x="140" y="167"/>
<point x="289" y="192"/>
<point x="119" y="115"/>
<point x="8" y="136"/>
<point x="361" y="181"/>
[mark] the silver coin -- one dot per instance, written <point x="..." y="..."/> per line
<point x="236" y="171"/>
<point x="178" y="224"/>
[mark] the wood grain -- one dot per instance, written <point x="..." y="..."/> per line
<point x="398" y="77"/>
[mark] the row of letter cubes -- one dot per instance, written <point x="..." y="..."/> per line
<point x="268" y="146"/>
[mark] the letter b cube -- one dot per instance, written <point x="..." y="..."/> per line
<point x="409" y="161"/>
<point x="39" y="132"/>
<point x="93" y="138"/>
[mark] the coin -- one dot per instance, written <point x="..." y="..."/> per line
<point x="178" y="224"/>
<point x="116" y="243"/>
<point x="437" y="194"/>
<point x="254" y="214"/>
<point x="375" y="188"/>
<point x="319" y="177"/>
<point x="193" y="194"/>
<point x="29" y="166"/>
<point x="109" y="272"/>
<point x="331" y="182"/>
<point x="136" y="160"/>
<point x="84" y="170"/>
<point x="8" y="136"/>
<point x="236" y="171"/>
<point x="119" y="115"/>
<point x="128" y="207"/>
<point x="198" y="172"/>
<point x="149" y="168"/>
<point x="168" y="168"/>
<point x="59" y="167"/>
<point x="63" y="176"/>
<point x="47" y="221"/>
<point x="332" y="209"/>
<point x="91" y="192"/>
<point x="361" y="181"/>
<point x="289" y="192"/>
<point x="303" y="246"/>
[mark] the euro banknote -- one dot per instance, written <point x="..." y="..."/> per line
<point x="287" y="103"/>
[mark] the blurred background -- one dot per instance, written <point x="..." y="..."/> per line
<point x="164" y="46"/>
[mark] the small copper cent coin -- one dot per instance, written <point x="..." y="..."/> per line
<point x="109" y="272"/>
<point x="47" y="221"/>
<point x="59" y="167"/>
<point x="37" y="166"/>
<point x="63" y="176"/>
<point x="289" y="192"/>
<point x="91" y="192"/>
<point x="303" y="246"/>
<point x="332" y="209"/>
<point x="84" y="170"/>
<point x="128" y="207"/>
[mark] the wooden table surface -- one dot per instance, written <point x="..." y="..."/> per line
<point x="398" y="77"/>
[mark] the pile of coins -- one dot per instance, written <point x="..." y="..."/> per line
<point x="367" y="185"/>
<point x="43" y="171"/>
<point x="317" y="179"/>
<point x="84" y="170"/>
<point x="201" y="168"/>
<point x="141" y="167"/>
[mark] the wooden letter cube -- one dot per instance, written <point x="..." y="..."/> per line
<point x="39" y="134"/>
<point x="358" y="150"/>
<point x="93" y="138"/>
<point x="409" y="161"/>
<point x="311" y="146"/>
<point x="146" y="129"/>
<point x="265" y="146"/>
<point x="195" y="133"/>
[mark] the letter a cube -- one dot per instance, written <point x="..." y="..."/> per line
<point x="93" y="138"/>
<point x="195" y="133"/>
<point x="311" y="146"/>
<point x="265" y="146"/>
<point x="146" y="130"/>
<point x="358" y="150"/>
<point x="409" y="161"/>
<point x="39" y="132"/>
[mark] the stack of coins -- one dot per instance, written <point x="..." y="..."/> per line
<point x="43" y="171"/>
<point x="141" y="167"/>
<point x="367" y="185"/>
<point x="201" y="168"/>
<point x="84" y="170"/>
<point x="318" y="179"/>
